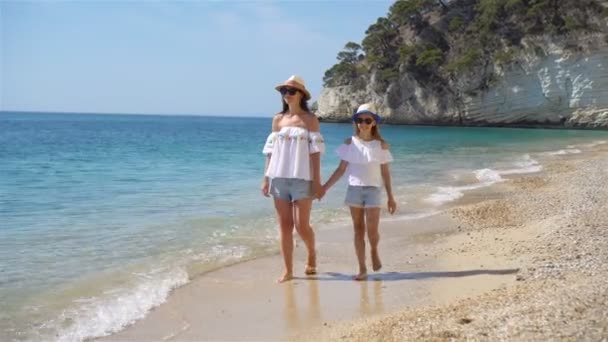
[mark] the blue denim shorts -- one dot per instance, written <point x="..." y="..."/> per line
<point x="290" y="189"/>
<point x="363" y="197"/>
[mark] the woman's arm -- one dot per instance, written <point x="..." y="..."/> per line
<point x="265" y="181"/>
<point x="312" y="123"/>
<point x="315" y="160"/>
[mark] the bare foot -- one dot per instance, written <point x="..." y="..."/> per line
<point x="286" y="277"/>
<point x="310" y="270"/>
<point x="376" y="263"/>
<point x="311" y="267"/>
<point x="361" y="276"/>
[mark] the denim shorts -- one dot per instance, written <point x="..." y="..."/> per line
<point x="363" y="196"/>
<point x="290" y="189"/>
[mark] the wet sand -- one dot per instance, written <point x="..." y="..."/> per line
<point x="243" y="301"/>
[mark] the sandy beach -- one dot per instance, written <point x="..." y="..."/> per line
<point x="524" y="259"/>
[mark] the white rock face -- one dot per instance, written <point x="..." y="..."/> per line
<point x="551" y="83"/>
<point x="545" y="89"/>
<point x="339" y="103"/>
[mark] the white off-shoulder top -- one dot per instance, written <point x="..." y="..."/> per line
<point x="364" y="159"/>
<point x="290" y="150"/>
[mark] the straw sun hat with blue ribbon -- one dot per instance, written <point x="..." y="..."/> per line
<point x="367" y="108"/>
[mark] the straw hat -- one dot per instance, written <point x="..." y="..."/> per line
<point x="296" y="82"/>
<point x="367" y="108"/>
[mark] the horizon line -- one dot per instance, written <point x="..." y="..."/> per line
<point x="134" y="114"/>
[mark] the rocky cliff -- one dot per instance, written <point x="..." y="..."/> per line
<point x="553" y="80"/>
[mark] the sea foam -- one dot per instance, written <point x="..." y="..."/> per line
<point x="101" y="317"/>
<point x="485" y="177"/>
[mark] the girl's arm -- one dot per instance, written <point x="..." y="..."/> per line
<point x="339" y="172"/>
<point x="386" y="177"/>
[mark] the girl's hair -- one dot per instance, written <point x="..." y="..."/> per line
<point x="375" y="131"/>
<point x="303" y="105"/>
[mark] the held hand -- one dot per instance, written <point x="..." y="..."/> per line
<point x="392" y="205"/>
<point x="317" y="190"/>
<point x="323" y="192"/>
<point x="265" y="188"/>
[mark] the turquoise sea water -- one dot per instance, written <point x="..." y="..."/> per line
<point x="102" y="215"/>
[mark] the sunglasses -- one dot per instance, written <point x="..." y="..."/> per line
<point x="367" y="121"/>
<point x="290" y="91"/>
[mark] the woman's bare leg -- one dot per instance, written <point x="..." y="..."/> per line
<point x="301" y="218"/>
<point x="358" y="216"/>
<point x="285" y="215"/>
<point x="372" y="220"/>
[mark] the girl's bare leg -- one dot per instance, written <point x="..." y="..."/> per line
<point x="358" y="216"/>
<point x="372" y="218"/>
<point x="285" y="215"/>
<point x="302" y="221"/>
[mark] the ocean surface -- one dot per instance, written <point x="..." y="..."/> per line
<point x="101" y="216"/>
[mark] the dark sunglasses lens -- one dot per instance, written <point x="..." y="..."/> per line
<point x="289" y="91"/>
<point x="366" y="120"/>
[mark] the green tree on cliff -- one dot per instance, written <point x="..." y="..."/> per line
<point x="447" y="38"/>
<point x="346" y="69"/>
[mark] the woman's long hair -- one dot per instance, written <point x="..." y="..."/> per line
<point x="303" y="104"/>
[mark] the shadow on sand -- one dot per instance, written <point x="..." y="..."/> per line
<point x="395" y="276"/>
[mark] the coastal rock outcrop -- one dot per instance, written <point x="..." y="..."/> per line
<point x="549" y="81"/>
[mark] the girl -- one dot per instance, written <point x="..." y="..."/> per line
<point x="293" y="173"/>
<point x="365" y="157"/>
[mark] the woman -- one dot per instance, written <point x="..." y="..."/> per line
<point x="293" y="172"/>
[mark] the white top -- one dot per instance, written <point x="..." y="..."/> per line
<point x="291" y="148"/>
<point x="364" y="159"/>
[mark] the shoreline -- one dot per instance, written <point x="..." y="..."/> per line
<point x="227" y="297"/>
<point x="472" y="251"/>
<point x="245" y="295"/>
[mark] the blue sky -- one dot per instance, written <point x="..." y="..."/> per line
<point x="170" y="57"/>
